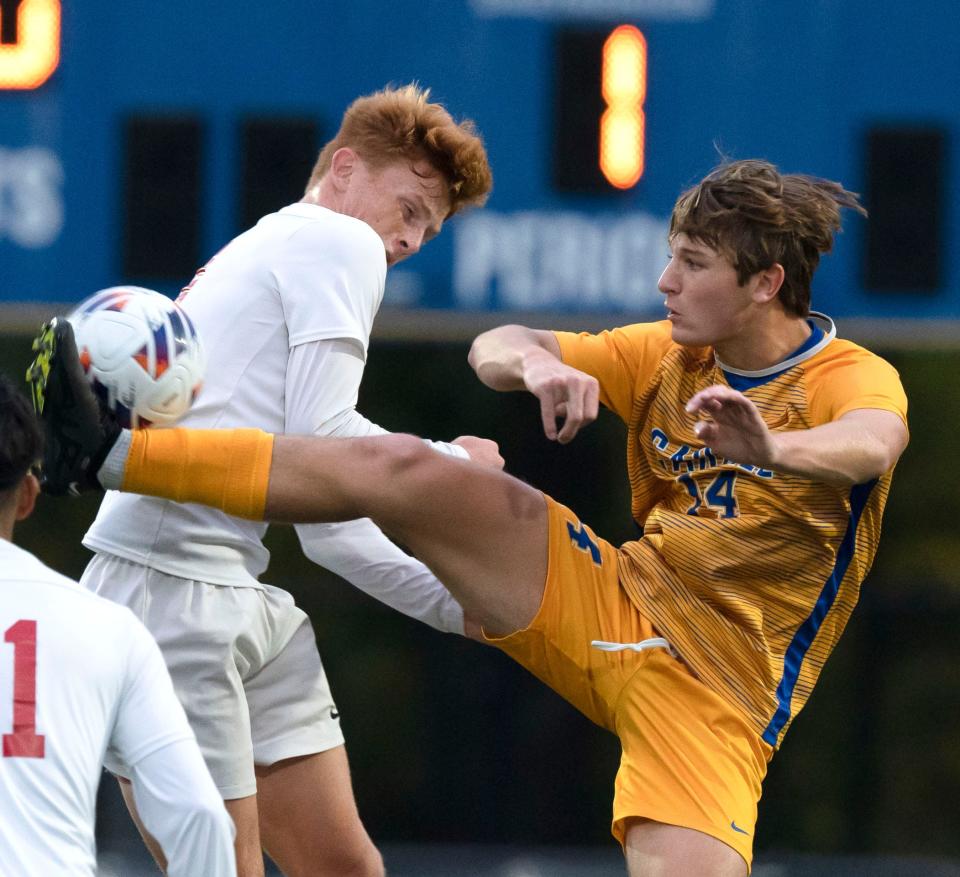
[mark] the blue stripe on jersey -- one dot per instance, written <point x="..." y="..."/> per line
<point x="742" y="383"/>
<point x="804" y="636"/>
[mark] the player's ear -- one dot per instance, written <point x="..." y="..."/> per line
<point x="342" y="165"/>
<point x="27" y="496"/>
<point x="768" y="281"/>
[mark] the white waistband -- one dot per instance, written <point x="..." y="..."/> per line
<point x="656" y="642"/>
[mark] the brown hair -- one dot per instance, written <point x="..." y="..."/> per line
<point x="399" y="123"/>
<point x="755" y="216"/>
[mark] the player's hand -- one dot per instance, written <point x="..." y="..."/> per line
<point x="566" y="394"/>
<point x="481" y="450"/>
<point x="735" y="429"/>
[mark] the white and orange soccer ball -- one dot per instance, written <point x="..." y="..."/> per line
<point x="141" y="353"/>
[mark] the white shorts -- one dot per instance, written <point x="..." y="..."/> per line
<point x="244" y="664"/>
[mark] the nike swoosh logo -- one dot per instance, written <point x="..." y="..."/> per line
<point x="737" y="828"/>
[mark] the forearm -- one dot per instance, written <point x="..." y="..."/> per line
<point x="360" y="553"/>
<point x="352" y="424"/>
<point x="830" y="453"/>
<point x="856" y="447"/>
<point x="499" y="356"/>
<point x="323" y="382"/>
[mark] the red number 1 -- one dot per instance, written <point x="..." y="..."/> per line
<point x="24" y="742"/>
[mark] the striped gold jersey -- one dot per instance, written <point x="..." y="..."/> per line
<point x="750" y="574"/>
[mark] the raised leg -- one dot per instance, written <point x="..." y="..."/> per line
<point x="482" y="532"/>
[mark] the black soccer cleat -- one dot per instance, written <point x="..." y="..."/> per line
<point x="79" y="431"/>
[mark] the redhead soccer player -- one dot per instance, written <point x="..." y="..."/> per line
<point x="285" y="311"/>
<point x="761" y="449"/>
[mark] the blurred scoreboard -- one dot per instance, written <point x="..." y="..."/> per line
<point x="135" y="140"/>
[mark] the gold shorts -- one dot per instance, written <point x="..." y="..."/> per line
<point x="689" y="758"/>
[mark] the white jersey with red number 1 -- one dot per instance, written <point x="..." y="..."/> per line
<point x="78" y="675"/>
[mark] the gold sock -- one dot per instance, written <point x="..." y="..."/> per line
<point x="228" y="469"/>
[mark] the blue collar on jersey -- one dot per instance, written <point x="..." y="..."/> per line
<point x="822" y="332"/>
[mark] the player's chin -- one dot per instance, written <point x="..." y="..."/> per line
<point x="687" y="336"/>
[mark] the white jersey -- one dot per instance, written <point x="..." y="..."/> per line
<point x="80" y="676"/>
<point x="285" y="312"/>
<point x="300" y="275"/>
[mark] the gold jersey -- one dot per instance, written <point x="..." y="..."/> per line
<point x="750" y="574"/>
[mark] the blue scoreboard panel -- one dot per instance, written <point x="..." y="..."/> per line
<point x="136" y="139"/>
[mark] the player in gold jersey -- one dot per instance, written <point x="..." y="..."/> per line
<point x="760" y="454"/>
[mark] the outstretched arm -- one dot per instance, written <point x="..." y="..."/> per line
<point x="359" y="552"/>
<point x="855" y="448"/>
<point x="322" y="386"/>
<point x="518" y="358"/>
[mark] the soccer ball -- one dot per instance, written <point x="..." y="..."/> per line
<point x="141" y="354"/>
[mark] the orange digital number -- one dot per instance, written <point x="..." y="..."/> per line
<point x="29" y="42"/>
<point x="624" y="87"/>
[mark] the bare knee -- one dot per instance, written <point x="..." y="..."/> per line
<point x="397" y="469"/>
<point x="399" y="455"/>
<point x="372" y="866"/>
<point x="357" y="863"/>
<point x="340" y="861"/>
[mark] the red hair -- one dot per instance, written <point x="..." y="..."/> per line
<point x="400" y="124"/>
